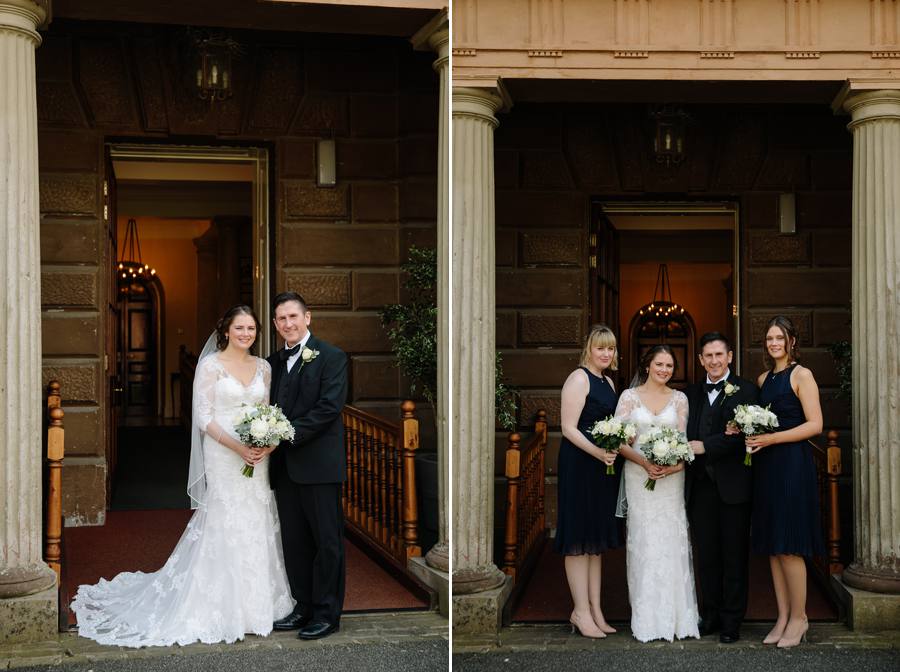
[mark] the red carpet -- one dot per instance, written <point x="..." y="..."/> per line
<point x="143" y="540"/>
<point x="546" y="597"/>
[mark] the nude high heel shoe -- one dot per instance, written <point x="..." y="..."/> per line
<point x="589" y="630"/>
<point x="774" y="635"/>
<point x="785" y="643"/>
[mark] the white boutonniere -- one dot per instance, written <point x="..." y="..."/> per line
<point x="730" y="389"/>
<point x="307" y="355"/>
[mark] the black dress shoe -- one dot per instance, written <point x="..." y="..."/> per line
<point x="292" y="621"/>
<point x="729" y="637"/>
<point x="318" y="629"/>
<point x="708" y="626"/>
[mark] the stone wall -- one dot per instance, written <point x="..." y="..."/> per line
<point x="341" y="247"/>
<point x="554" y="161"/>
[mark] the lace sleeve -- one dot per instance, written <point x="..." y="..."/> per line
<point x="681" y="408"/>
<point x="627" y="404"/>
<point x="204" y="392"/>
<point x="266" y="374"/>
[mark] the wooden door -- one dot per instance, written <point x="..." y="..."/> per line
<point x="113" y="381"/>
<point x="139" y="349"/>
<point x="604" y="276"/>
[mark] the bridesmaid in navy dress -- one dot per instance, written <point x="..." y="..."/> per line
<point x="586" y="524"/>
<point x="786" y="523"/>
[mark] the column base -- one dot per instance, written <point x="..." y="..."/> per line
<point x="439" y="557"/>
<point x="31" y="618"/>
<point x="477" y="579"/>
<point x="436" y="580"/>
<point x="872" y="580"/>
<point x="867" y="611"/>
<point x="20" y="581"/>
<point x="480" y="613"/>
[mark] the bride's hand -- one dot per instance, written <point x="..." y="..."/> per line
<point x="249" y="455"/>
<point x="654" y="471"/>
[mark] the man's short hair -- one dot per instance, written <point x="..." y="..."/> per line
<point x="711" y="336"/>
<point x="284" y="297"/>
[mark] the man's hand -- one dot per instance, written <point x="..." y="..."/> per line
<point x="697" y="447"/>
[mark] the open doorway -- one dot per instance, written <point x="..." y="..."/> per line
<point x="191" y="239"/>
<point x="665" y="273"/>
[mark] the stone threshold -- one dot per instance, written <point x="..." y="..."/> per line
<point x="356" y="630"/>
<point x="549" y="637"/>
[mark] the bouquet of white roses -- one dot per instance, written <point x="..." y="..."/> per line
<point x="665" y="446"/>
<point x="751" y="420"/>
<point x="262" y="425"/>
<point x="610" y="434"/>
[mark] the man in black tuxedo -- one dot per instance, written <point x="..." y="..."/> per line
<point x="718" y="490"/>
<point x="309" y="383"/>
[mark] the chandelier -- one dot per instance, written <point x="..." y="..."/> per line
<point x="662" y="307"/>
<point x="131" y="266"/>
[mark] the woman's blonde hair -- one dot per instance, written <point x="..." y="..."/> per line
<point x="600" y="336"/>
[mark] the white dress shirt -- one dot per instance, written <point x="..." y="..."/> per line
<point x="293" y="358"/>
<point x="715" y="393"/>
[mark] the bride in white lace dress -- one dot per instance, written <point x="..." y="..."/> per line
<point x="659" y="569"/>
<point x="226" y="576"/>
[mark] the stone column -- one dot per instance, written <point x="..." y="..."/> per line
<point x="875" y="126"/>
<point x="434" y="570"/>
<point x="876" y="338"/>
<point x="473" y="305"/>
<point x="23" y="573"/>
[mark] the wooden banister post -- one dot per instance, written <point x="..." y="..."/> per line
<point x="834" y="512"/>
<point x="513" y="473"/>
<point x="410" y="502"/>
<point x="541" y="427"/>
<point x="55" y="455"/>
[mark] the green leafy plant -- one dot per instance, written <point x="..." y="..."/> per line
<point x="412" y="326"/>
<point x="841" y="353"/>
<point x="412" y="330"/>
<point x="505" y="401"/>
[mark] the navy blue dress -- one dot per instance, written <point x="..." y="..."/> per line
<point x="785" y="494"/>
<point x="586" y="495"/>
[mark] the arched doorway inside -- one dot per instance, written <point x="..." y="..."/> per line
<point x="663" y="321"/>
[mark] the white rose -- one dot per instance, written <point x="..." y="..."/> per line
<point x="729" y="388"/>
<point x="259" y="428"/>
<point x="306" y="354"/>
<point x="282" y="427"/>
<point x="660" y="449"/>
<point x="630" y="431"/>
<point x="273" y="421"/>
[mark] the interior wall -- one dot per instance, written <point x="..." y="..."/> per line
<point x="167" y="245"/>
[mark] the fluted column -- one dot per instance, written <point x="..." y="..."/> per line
<point x="473" y="306"/>
<point x="439" y="555"/>
<point x="876" y="340"/>
<point x="22" y="570"/>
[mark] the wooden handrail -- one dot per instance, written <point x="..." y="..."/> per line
<point x="828" y="469"/>
<point x="379" y="493"/>
<point x="55" y="455"/>
<point x="525" y="526"/>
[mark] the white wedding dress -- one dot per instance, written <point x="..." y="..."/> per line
<point x="659" y="570"/>
<point x="226" y="576"/>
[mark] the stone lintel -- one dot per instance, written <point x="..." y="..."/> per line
<point x="866" y="611"/>
<point x="481" y="613"/>
<point x="435" y="579"/>
<point x="31" y="618"/>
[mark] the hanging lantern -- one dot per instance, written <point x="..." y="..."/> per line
<point x="213" y="73"/>
<point x="669" y="134"/>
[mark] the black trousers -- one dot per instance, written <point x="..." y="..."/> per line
<point x="721" y="553"/>
<point x="312" y="536"/>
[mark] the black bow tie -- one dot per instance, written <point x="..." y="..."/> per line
<point x="287" y="353"/>
<point x="714" y="386"/>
